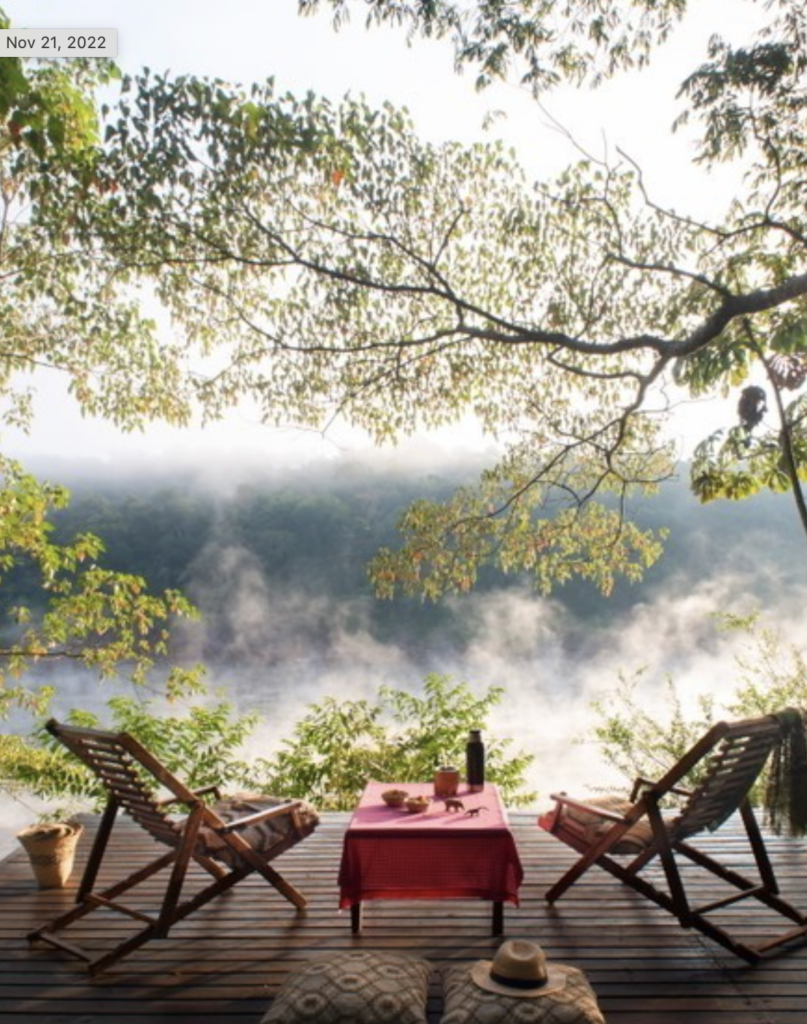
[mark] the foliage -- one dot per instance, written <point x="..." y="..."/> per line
<point x="338" y="746"/>
<point x="432" y="729"/>
<point x="772" y="670"/>
<point x="201" y="743"/>
<point x="107" y="620"/>
<point x="27" y="768"/>
<point x="540" y="41"/>
<point x="48" y="111"/>
<point x="637" y="740"/>
<point x="57" y="312"/>
<point x="445" y="543"/>
<point x="393" y="257"/>
<point x="329" y="262"/>
<point x="335" y="749"/>
<point x="59" y="309"/>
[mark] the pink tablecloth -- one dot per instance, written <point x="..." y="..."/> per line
<point x="439" y="854"/>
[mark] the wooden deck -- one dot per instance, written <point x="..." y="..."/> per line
<point x="223" y="964"/>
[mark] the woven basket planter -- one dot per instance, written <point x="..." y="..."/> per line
<point x="51" y="850"/>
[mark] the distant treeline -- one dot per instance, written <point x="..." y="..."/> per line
<point x="307" y="539"/>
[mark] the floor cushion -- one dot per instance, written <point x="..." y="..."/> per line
<point x="354" y="988"/>
<point x="467" y="1003"/>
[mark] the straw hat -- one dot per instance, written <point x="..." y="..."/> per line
<point x="519" y="969"/>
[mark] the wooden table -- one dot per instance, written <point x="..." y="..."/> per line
<point x="389" y="853"/>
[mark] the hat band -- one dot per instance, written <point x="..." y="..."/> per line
<point x="516" y="982"/>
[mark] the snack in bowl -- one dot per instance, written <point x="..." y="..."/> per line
<point x="394" y="797"/>
<point x="416" y="804"/>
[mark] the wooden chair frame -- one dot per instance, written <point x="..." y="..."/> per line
<point x="122" y="764"/>
<point x="735" y="753"/>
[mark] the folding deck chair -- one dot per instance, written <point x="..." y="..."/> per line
<point x="230" y="839"/>
<point x="732" y="756"/>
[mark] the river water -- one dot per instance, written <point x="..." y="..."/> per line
<point x="551" y="670"/>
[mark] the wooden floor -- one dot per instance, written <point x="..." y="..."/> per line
<point x="222" y="965"/>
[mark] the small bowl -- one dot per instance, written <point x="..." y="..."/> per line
<point x="417" y="804"/>
<point x="394" y="797"/>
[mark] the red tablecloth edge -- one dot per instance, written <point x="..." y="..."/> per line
<point x="345" y="902"/>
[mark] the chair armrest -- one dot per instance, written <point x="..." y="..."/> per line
<point x="253" y="819"/>
<point x="581" y="805"/>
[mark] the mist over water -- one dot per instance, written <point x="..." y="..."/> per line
<point x="551" y="663"/>
<point x="550" y="667"/>
<point x="275" y="647"/>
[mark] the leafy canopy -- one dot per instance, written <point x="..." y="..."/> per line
<point x="57" y="313"/>
<point x="540" y="42"/>
<point x="324" y="259"/>
<point x="327" y="261"/>
<point x="201" y="740"/>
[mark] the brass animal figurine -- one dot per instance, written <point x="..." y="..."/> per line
<point x="453" y="804"/>
<point x="473" y="812"/>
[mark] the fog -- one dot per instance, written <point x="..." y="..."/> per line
<point x="275" y="648"/>
<point x="550" y="667"/>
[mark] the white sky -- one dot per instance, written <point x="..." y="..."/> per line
<point x="246" y="40"/>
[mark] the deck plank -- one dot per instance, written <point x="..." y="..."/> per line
<point x="224" y="963"/>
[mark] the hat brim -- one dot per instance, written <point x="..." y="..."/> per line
<point x="555" y="981"/>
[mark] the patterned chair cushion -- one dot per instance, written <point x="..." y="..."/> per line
<point x="354" y="988"/>
<point x="591" y="826"/>
<point x="466" y="1003"/>
<point x="264" y="835"/>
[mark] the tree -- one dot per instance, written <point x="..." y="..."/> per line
<point x="335" y="749"/>
<point x="58" y="309"/>
<point x="55" y="314"/>
<point x="751" y="102"/>
<point x="330" y="262"/>
<point x="203" y="744"/>
<point x="539" y="42"/>
<point x="326" y="260"/>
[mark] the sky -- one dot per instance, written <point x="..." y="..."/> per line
<point x="250" y="40"/>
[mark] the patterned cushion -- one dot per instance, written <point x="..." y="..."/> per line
<point x="354" y="988"/>
<point x="634" y="841"/>
<point x="466" y="1003"/>
<point x="263" y="835"/>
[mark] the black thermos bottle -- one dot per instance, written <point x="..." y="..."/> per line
<point x="475" y="762"/>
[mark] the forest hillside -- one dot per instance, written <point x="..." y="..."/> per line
<point x="277" y="565"/>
